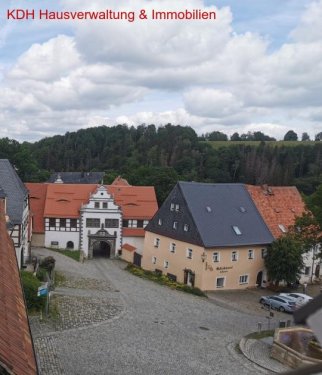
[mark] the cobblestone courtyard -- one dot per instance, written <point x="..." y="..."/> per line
<point x="111" y="322"/>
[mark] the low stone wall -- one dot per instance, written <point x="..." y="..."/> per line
<point x="285" y="354"/>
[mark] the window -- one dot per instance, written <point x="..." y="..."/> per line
<point x="189" y="253"/>
<point x="52" y="222"/>
<point x="172" y="277"/>
<point x="216" y="257"/>
<point x="264" y="253"/>
<point x="104" y="204"/>
<point x="160" y="222"/>
<point x="70" y="245"/>
<point x="282" y="228"/>
<point x="145" y="223"/>
<point x="234" y="256"/>
<point x="62" y="223"/>
<point x="130" y="223"/>
<point x="166" y="264"/>
<point x="154" y="260"/>
<point x="237" y="230"/>
<point x="93" y="223"/>
<point x="97" y="204"/>
<point x="175" y="225"/>
<point x="172" y="247"/>
<point x="111" y="223"/>
<point x="177" y="208"/>
<point x="250" y="254"/>
<point x="307" y="271"/>
<point x="186" y="227"/>
<point x="73" y="223"/>
<point x="140" y="223"/>
<point x="243" y="279"/>
<point x="54" y="243"/>
<point x="156" y="242"/>
<point x="220" y="282"/>
<point x="172" y="206"/>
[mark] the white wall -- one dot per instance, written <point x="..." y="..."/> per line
<point x="62" y="238"/>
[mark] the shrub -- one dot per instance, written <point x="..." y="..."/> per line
<point x="41" y="274"/>
<point x="30" y="286"/>
<point x="164" y="280"/>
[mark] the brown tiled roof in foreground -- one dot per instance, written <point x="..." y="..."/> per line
<point x="278" y="205"/>
<point x="16" y="349"/>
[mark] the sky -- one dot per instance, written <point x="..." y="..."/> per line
<point x="256" y="67"/>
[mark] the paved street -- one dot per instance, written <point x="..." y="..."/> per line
<point x="117" y="323"/>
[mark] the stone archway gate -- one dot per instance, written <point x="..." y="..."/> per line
<point x="102" y="236"/>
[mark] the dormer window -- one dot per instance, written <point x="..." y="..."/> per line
<point x="172" y="206"/>
<point x="160" y="222"/>
<point x="186" y="227"/>
<point x="177" y="208"/>
<point x="175" y="225"/>
<point x="237" y="230"/>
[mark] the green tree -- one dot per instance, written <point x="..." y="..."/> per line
<point x="290" y="136"/>
<point x="318" y="137"/>
<point x="305" y="137"/>
<point x="284" y="260"/>
<point x="314" y="203"/>
<point x="217" y="136"/>
<point x="235" y="137"/>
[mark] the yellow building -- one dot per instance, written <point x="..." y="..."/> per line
<point x="208" y="235"/>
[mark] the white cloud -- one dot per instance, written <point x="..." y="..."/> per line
<point x="224" y="80"/>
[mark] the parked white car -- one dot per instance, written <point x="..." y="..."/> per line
<point x="300" y="299"/>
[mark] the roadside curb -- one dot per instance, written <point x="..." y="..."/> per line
<point x="258" y="352"/>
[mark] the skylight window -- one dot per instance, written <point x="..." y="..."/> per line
<point x="242" y="209"/>
<point x="237" y="230"/>
<point x="208" y="209"/>
<point x="282" y="228"/>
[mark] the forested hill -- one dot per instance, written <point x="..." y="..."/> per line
<point x="161" y="156"/>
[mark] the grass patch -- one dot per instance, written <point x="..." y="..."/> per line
<point x="74" y="254"/>
<point x="59" y="278"/>
<point x="164" y="280"/>
<point x="260" y="335"/>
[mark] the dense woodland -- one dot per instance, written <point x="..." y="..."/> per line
<point x="147" y="155"/>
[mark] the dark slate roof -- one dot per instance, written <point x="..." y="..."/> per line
<point x="211" y="211"/>
<point x="2" y="193"/>
<point x="14" y="190"/>
<point x="78" y="177"/>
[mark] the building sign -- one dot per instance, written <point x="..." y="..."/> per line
<point x="224" y="269"/>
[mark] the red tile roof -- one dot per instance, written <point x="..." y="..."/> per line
<point x="128" y="247"/>
<point x="133" y="232"/>
<point x="65" y="200"/>
<point x="37" y="196"/>
<point x="16" y="350"/>
<point x="278" y="205"/>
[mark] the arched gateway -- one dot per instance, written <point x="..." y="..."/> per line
<point x="101" y="244"/>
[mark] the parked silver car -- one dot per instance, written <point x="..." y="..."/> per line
<point x="280" y="303"/>
<point x="300" y="299"/>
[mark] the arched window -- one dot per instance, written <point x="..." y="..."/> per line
<point x="70" y="245"/>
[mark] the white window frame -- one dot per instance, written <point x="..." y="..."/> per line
<point x="223" y="284"/>
<point x="160" y="221"/>
<point x="243" y="279"/>
<point x="166" y="264"/>
<point x="189" y="253"/>
<point x="177" y="207"/>
<point x="154" y="260"/>
<point x="175" y="225"/>
<point x="233" y="258"/>
<point x="172" y="206"/>
<point x="251" y="254"/>
<point x="157" y="242"/>
<point x="263" y="253"/>
<point x="172" y="247"/>
<point x="216" y="256"/>
<point x="186" y="227"/>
